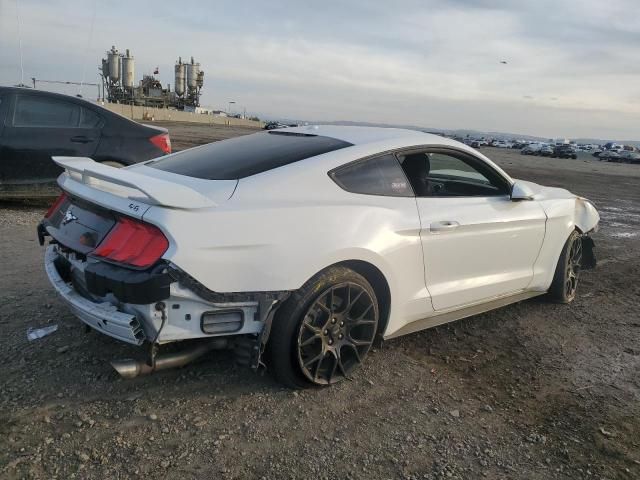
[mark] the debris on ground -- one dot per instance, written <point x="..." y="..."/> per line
<point x="36" y="333"/>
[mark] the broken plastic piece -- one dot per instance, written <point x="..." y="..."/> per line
<point x="36" y="333"/>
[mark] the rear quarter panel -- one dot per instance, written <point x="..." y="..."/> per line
<point x="278" y="230"/>
<point x="125" y="141"/>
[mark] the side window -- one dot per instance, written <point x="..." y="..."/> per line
<point x="88" y="118"/>
<point x="439" y="174"/>
<point x="31" y="111"/>
<point x="375" y="176"/>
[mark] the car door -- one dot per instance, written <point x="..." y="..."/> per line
<point x="477" y="243"/>
<point x="39" y="127"/>
<point x="386" y="221"/>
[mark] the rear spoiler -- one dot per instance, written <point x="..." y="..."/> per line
<point x="157" y="191"/>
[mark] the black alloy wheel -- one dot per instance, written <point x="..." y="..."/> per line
<point x="574" y="260"/>
<point x="324" y="330"/>
<point x="336" y="333"/>
<point x="565" y="280"/>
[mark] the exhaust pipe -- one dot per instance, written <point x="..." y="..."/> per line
<point x="130" y="368"/>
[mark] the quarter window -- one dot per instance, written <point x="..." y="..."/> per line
<point x="44" y="112"/>
<point x="375" y="176"/>
<point x="440" y="174"/>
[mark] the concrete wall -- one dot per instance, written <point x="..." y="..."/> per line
<point x="146" y="113"/>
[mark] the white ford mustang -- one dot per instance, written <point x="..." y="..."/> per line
<point x="300" y="247"/>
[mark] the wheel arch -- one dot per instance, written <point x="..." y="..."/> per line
<point x="378" y="282"/>
<point x="586" y="216"/>
<point x="380" y="285"/>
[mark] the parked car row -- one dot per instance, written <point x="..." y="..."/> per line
<point x="560" y="148"/>
<point x="556" y="151"/>
<point x="623" y="156"/>
<point x="611" y="152"/>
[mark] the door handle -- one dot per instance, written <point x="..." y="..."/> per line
<point x="81" y="139"/>
<point x="444" y="226"/>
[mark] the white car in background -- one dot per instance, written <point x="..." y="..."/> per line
<point x="309" y="242"/>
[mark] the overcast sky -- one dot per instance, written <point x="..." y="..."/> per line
<point x="572" y="66"/>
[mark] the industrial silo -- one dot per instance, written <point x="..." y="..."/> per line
<point x="105" y="68"/>
<point x="180" y="70"/>
<point x="113" y="62"/>
<point x="192" y="75"/>
<point x="128" y="71"/>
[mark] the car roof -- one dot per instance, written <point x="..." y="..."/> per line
<point x="45" y="93"/>
<point x="105" y="112"/>
<point x="375" y="140"/>
<point x="365" y="135"/>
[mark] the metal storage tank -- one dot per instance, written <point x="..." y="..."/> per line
<point x="192" y="74"/>
<point x="180" y="70"/>
<point x="128" y="71"/>
<point x="113" y="60"/>
<point x="105" y="68"/>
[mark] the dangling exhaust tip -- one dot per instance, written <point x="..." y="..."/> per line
<point x="130" y="368"/>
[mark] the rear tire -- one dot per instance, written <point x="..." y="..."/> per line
<point x="565" y="280"/>
<point x="324" y="330"/>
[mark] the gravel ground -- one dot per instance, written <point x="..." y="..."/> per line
<point x="533" y="390"/>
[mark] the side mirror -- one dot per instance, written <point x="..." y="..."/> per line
<point x="521" y="191"/>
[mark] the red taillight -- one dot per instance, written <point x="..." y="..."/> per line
<point x="162" y="141"/>
<point x="56" y="205"/>
<point x="134" y="243"/>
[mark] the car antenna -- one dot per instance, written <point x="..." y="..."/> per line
<point x="20" y="45"/>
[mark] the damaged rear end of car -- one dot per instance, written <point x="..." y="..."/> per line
<point x="113" y="267"/>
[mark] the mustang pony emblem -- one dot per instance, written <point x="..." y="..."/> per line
<point x="68" y="217"/>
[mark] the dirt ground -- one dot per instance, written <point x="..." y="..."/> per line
<point x="533" y="390"/>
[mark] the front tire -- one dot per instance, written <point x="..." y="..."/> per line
<point x="565" y="280"/>
<point x="324" y="330"/>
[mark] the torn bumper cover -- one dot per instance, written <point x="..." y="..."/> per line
<point x="160" y="305"/>
<point x="103" y="317"/>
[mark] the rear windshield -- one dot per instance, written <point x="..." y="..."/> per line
<point x="247" y="155"/>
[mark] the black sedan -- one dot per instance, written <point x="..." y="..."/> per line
<point x="36" y="125"/>
<point x="564" y="151"/>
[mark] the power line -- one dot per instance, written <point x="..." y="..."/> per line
<point x="59" y="82"/>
